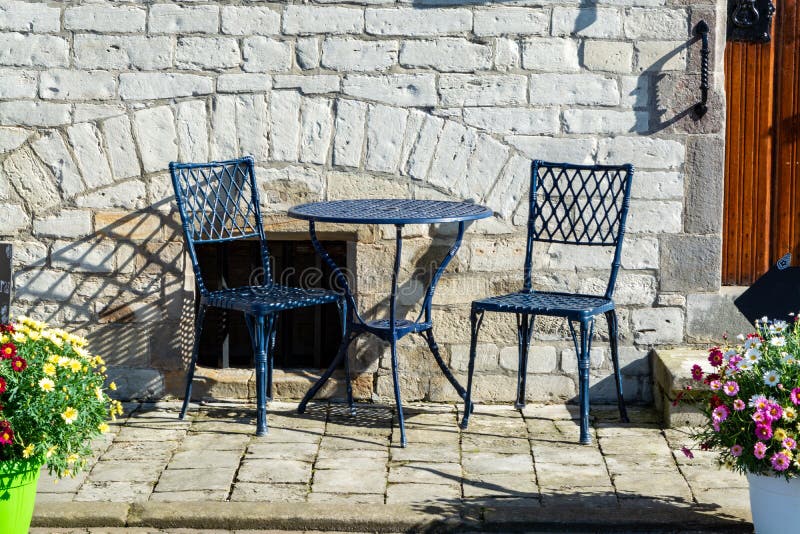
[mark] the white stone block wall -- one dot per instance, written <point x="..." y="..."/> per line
<point x="343" y="100"/>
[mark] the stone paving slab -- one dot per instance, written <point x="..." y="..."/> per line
<point x="524" y="462"/>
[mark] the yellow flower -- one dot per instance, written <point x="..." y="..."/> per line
<point x="27" y="452"/>
<point x="75" y="366"/>
<point x="72" y="458"/>
<point x="81" y="352"/>
<point x="49" y="369"/>
<point x="112" y="386"/>
<point x="780" y="434"/>
<point x="4" y="338"/>
<point x="97" y="360"/>
<point x="99" y="393"/>
<point x="54" y="358"/>
<point x="69" y="415"/>
<point x="63" y="361"/>
<point x="34" y="335"/>
<point x="103" y="427"/>
<point x="50" y="451"/>
<point x="103" y="369"/>
<point x="18" y="337"/>
<point x="47" y="385"/>
<point x="66" y="473"/>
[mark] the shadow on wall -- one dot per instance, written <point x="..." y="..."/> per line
<point x="124" y="288"/>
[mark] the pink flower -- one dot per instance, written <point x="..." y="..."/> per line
<point x="763" y="431"/>
<point x="760" y="450"/>
<point x="779" y="461"/>
<point x="731" y="388"/>
<point x="715" y="426"/>
<point x="697" y="372"/>
<point x="720" y="413"/>
<point x="689" y="454"/>
<point x="715" y="384"/>
<point x="736" y="450"/>
<point x="738" y="405"/>
<point x="715" y="357"/>
<point x="795" y="396"/>
<point x="774" y="411"/>
<point x="760" y="417"/>
<point x="789" y="443"/>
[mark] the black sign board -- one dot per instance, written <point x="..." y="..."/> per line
<point x="775" y="295"/>
<point x="6" y="281"/>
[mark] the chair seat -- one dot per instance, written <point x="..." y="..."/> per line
<point x="574" y="306"/>
<point x="262" y="300"/>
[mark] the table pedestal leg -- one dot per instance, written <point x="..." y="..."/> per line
<point x="342" y="353"/>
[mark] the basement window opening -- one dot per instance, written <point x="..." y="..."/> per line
<point x="306" y="338"/>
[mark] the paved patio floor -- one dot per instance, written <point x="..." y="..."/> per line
<point x="524" y="468"/>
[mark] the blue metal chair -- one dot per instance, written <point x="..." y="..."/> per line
<point x="218" y="202"/>
<point x="574" y="205"/>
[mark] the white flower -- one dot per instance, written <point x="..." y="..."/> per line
<point x="771" y="378"/>
<point x="778" y="326"/>
<point x="788" y="359"/>
<point x="778" y="341"/>
<point x="753" y="355"/>
<point x="740" y="337"/>
<point x="745" y="365"/>
<point x="752" y="342"/>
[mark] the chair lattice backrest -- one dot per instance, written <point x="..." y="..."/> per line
<point x="218" y="202"/>
<point x="578" y="205"/>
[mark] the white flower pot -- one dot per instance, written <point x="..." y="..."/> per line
<point x="774" y="503"/>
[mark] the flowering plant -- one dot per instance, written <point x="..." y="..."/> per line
<point x="752" y="401"/>
<point x="52" y="401"/>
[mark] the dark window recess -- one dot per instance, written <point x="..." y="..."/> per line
<point x="306" y="337"/>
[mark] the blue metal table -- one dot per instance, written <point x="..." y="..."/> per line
<point x="398" y="212"/>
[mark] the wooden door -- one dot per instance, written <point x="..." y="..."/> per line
<point x="761" y="221"/>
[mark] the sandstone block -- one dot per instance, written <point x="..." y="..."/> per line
<point x="316" y="129"/>
<point x="587" y="22"/>
<point x="653" y="326"/>
<point x="308" y="85"/>
<point x="658" y="56"/>
<point x="608" y="56"/>
<point x="224" y="141"/>
<point x="262" y="54"/>
<point x="21" y="113"/>
<point x="121" y="148"/>
<point x="655" y="216"/>
<point x="511" y="20"/>
<point x="349" y="132"/>
<point x="514" y="121"/>
<point x="573" y="150"/>
<point x="127" y="195"/>
<point x="483" y="90"/>
<point x="550" y="54"/>
<point x="244" y="83"/>
<point x="303" y="19"/>
<point x="155" y="133"/>
<point x="207" y="53"/>
<point x="61" y="84"/>
<point x="581" y="121"/>
<point x="30" y="50"/>
<point x="17" y="83"/>
<point x="417" y="22"/>
<point x="44" y="284"/>
<point x="51" y="148"/>
<point x="385" y="133"/>
<point x="252" y="126"/>
<point x="13" y="219"/>
<point x="32" y="181"/>
<point x="172" y="18"/>
<point x="643" y="152"/>
<point x="657" y="24"/>
<point x="250" y="20"/>
<point x="87" y="145"/>
<point x="29" y="17"/>
<point x="67" y="223"/>
<point x="155" y="85"/>
<point x="446" y="54"/>
<point x="93" y="257"/>
<point x="192" y="131"/>
<point x="581" y="89"/>
<point x="406" y="90"/>
<point x="691" y="263"/>
<point x="123" y="52"/>
<point x="284" y="112"/>
<point x="358" y="55"/>
<point x="100" y="18"/>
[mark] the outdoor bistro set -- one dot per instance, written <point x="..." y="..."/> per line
<point x="568" y="204"/>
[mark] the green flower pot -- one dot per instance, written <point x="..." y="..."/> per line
<point x="18" y="480"/>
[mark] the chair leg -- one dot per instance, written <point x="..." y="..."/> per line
<point x="301" y="408"/>
<point x="198" y="329"/>
<point x="475" y="319"/>
<point x="434" y="348"/>
<point x="611" y="317"/>
<point x="524" y="332"/>
<point x="348" y="384"/>
<point x="584" y="363"/>
<point x="260" y="338"/>
<point x="397" y="399"/>
<point x="273" y="321"/>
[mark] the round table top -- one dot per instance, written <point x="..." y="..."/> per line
<point x="390" y="211"/>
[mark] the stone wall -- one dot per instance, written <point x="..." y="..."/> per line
<point x="373" y="98"/>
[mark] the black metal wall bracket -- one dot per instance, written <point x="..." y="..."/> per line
<point x="750" y="20"/>
<point x="702" y="29"/>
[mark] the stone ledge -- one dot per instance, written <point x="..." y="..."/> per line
<point x="632" y="513"/>
<point x="672" y="372"/>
